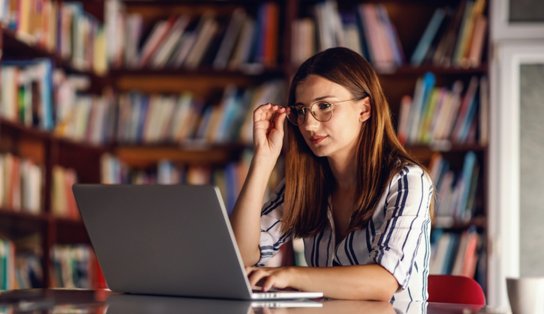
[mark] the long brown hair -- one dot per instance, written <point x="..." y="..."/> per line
<point x="308" y="179"/>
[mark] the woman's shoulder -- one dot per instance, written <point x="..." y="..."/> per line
<point x="412" y="171"/>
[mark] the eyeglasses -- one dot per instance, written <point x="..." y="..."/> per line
<point x="321" y="110"/>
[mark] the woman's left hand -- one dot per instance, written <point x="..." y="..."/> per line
<point x="270" y="277"/>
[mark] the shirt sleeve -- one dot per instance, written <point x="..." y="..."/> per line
<point x="272" y="238"/>
<point x="406" y="219"/>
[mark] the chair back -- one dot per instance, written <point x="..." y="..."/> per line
<point x="455" y="289"/>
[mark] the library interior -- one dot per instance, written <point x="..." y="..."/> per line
<point x="82" y="81"/>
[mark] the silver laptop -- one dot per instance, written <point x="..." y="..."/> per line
<point x="167" y="240"/>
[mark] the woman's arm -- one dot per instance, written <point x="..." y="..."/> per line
<point x="360" y="282"/>
<point x="268" y="133"/>
<point x="394" y="251"/>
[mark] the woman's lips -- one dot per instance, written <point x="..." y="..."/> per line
<point x="317" y="139"/>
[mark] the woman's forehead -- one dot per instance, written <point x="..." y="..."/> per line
<point x="315" y="87"/>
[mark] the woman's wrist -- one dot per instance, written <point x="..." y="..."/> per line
<point x="296" y="277"/>
<point x="264" y="161"/>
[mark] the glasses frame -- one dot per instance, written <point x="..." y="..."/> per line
<point x="309" y="109"/>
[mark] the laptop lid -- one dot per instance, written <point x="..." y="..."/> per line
<point x="166" y="240"/>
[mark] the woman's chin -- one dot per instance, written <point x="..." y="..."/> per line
<point x="319" y="151"/>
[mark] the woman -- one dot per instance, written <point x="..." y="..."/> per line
<point x="359" y="201"/>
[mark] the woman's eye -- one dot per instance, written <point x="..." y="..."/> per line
<point x="324" y="106"/>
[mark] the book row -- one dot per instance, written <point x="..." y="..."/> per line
<point x="433" y="114"/>
<point x="455" y="253"/>
<point x="35" y="95"/>
<point x="222" y="118"/>
<point x="438" y="114"/>
<point x="240" y="39"/>
<point x="453" y="36"/>
<point x="76" y="266"/>
<point x="237" y="40"/>
<point x="60" y="27"/>
<point x="20" y="264"/>
<point x="228" y="178"/>
<point x="21" y="184"/>
<point x="456" y="189"/>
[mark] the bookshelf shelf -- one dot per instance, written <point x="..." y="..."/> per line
<point x="17" y="48"/>
<point x="172" y="84"/>
<point x="455" y="225"/>
<point x="7" y="213"/>
<point x="204" y="83"/>
<point x="20" y="224"/>
<point x="195" y="154"/>
<point x="408" y="70"/>
<point x="445" y="148"/>
<point x="255" y="73"/>
<point x="11" y="43"/>
<point x="21" y="130"/>
<point x="70" y="231"/>
<point x="15" y="128"/>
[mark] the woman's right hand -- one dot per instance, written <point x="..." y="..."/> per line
<point x="268" y="120"/>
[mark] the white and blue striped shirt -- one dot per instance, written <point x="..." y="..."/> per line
<point x="397" y="237"/>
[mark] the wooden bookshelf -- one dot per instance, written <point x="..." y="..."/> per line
<point x="142" y="156"/>
<point x="409" y="18"/>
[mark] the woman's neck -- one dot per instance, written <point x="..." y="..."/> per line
<point x="345" y="173"/>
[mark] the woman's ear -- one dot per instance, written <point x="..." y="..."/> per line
<point x="365" y="110"/>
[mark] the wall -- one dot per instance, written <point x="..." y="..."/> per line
<point x="531" y="169"/>
<point x="526" y="10"/>
<point x="515" y="160"/>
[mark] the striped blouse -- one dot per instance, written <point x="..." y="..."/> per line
<point x="397" y="237"/>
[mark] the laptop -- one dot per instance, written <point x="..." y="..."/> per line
<point x="144" y="304"/>
<point x="167" y="240"/>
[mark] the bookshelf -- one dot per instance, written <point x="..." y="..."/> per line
<point x="130" y="77"/>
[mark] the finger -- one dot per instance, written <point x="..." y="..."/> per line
<point x="260" y="112"/>
<point x="268" y="283"/>
<point x="280" y="118"/>
<point x="256" y="276"/>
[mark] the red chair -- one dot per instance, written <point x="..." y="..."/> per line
<point x="455" y="289"/>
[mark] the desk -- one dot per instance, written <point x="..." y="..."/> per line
<point x="104" y="301"/>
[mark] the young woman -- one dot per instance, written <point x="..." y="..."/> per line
<point x="351" y="191"/>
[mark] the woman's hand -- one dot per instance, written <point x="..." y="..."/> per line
<point x="270" y="277"/>
<point x="268" y="131"/>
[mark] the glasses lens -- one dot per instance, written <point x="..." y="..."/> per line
<point x="322" y="111"/>
<point x="294" y="113"/>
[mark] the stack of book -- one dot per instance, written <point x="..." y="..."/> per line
<point x="235" y="41"/>
<point x="21" y="184"/>
<point x="436" y="115"/>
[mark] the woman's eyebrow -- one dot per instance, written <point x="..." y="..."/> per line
<point x="316" y="99"/>
<point x="322" y="97"/>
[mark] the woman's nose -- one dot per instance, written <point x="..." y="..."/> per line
<point x="310" y="122"/>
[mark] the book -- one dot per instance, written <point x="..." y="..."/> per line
<point x="206" y="30"/>
<point x="303" y="44"/>
<point x="421" y="100"/>
<point x="268" y="57"/>
<point x="393" y="41"/>
<point x="166" y="48"/>
<point x="474" y="56"/>
<point x="426" y="39"/>
<point x="403" y="127"/>
<point x="443" y="53"/>
<point x="242" y="50"/>
<point x="158" y="34"/>
<point x="466" y="111"/>
<point x="230" y="39"/>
